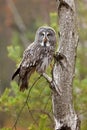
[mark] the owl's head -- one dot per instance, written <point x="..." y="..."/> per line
<point x="45" y="36"/>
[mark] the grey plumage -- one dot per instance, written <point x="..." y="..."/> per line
<point x="37" y="56"/>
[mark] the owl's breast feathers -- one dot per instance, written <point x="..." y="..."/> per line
<point x="45" y="58"/>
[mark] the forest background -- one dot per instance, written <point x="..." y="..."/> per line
<point x="37" y="114"/>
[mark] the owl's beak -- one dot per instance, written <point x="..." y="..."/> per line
<point x="45" y="40"/>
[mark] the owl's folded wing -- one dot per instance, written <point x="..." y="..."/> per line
<point x="30" y="59"/>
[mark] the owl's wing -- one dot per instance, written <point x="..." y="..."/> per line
<point x="29" y="61"/>
<point x="28" y="64"/>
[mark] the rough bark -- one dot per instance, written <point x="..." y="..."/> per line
<point x="65" y="116"/>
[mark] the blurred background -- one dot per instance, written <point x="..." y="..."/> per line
<point x="19" y="20"/>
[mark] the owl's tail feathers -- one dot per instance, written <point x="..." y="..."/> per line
<point x="24" y="83"/>
<point x="16" y="73"/>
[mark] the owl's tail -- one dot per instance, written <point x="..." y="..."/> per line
<point x="24" y="83"/>
<point x="23" y="80"/>
<point x="16" y="73"/>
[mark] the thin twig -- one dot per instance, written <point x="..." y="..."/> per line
<point x="82" y="113"/>
<point x="18" y="116"/>
<point x="41" y="92"/>
<point x="52" y="83"/>
<point x="32" y="87"/>
<point x="31" y="114"/>
<point x="48" y="78"/>
<point x="44" y="112"/>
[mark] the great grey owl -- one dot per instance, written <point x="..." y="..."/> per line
<point x="37" y="56"/>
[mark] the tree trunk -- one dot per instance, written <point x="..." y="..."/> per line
<point x="65" y="116"/>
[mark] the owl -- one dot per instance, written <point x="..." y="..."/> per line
<point x="37" y="56"/>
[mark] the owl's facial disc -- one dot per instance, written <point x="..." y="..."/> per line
<point x="45" y="41"/>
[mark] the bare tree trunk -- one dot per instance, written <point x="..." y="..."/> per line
<point x="65" y="116"/>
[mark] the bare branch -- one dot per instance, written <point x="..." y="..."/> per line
<point x="44" y="112"/>
<point x="48" y="78"/>
<point x="52" y="83"/>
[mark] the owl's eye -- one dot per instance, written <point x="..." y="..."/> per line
<point x="49" y="34"/>
<point x="41" y="34"/>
